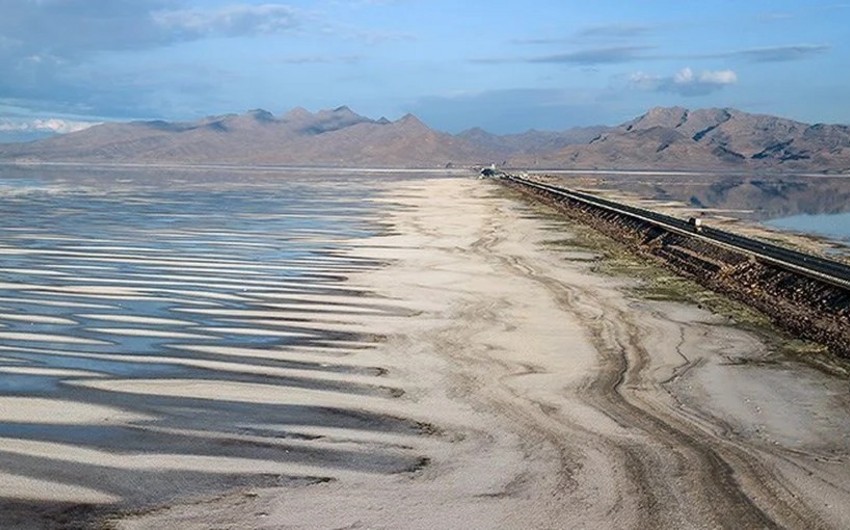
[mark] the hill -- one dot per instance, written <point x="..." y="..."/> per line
<point x="663" y="138"/>
<point x="337" y="137"/>
<point x="706" y="139"/>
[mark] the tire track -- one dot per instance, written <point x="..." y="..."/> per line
<point x="681" y="475"/>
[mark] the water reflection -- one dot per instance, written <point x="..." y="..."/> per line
<point x="813" y="203"/>
<point x="759" y="198"/>
<point x="833" y="226"/>
<point x="150" y="317"/>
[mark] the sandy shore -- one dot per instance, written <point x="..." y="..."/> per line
<point x="510" y="388"/>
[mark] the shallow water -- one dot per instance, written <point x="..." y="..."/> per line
<point x="192" y="319"/>
<point x="99" y="265"/>
<point x="832" y="226"/>
<point x="815" y="205"/>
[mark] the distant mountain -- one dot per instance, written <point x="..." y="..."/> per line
<point x="663" y="138"/>
<point x="707" y="139"/>
<point x="337" y="137"/>
<point x="532" y="141"/>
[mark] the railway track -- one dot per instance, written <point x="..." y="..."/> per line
<point x="816" y="267"/>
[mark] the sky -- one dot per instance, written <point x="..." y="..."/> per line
<point x="505" y="65"/>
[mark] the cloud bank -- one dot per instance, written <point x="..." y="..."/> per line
<point x="685" y="82"/>
<point x="229" y="21"/>
<point x="782" y="53"/>
<point x="52" y="125"/>
<point x="73" y="28"/>
<point x="611" y="55"/>
<point x="55" y="54"/>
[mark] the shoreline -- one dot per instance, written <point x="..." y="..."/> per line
<point x="627" y="413"/>
<point x="247" y="168"/>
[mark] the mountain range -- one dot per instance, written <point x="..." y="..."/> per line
<point x="707" y="139"/>
<point x="664" y="138"/>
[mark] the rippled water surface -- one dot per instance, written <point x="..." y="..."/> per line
<point x="188" y="314"/>
<point x="130" y="267"/>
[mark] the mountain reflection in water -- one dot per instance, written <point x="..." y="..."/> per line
<point x="833" y="226"/>
<point x="817" y="205"/>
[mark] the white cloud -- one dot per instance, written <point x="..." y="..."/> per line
<point x="645" y="81"/>
<point x="684" y="76"/>
<point x="719" y="77"/>
<point x="685" y="82"/>
<point x="233" y="20"/>
<point x="54" y="125"/>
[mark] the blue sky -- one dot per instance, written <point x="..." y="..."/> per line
<point x="507" y="66"/>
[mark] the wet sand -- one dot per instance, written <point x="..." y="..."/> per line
<point x="480" y="379"/>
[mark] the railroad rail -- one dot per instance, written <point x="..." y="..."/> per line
<point x="816" y="267"/>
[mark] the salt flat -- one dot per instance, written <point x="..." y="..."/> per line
<point x="473" y="377"/>
<point x="557" y="400"/>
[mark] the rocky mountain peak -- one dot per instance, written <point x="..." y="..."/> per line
<point x="344" y="109"/>
<point x="297" y="114"/>
<point x="410" y="121"/>
<point x="332" y="120"/>
<point x="662" y="138"/>
<point x="261" y="115"/>
<point x="668" y="117"/>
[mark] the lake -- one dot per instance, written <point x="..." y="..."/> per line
<point x="132" y="265"/>
<point x="202" y="323"/>
<point x="832" y="226"/>
<point x="817" y="205"/>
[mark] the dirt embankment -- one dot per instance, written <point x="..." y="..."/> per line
<point x="803" y="306"/>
